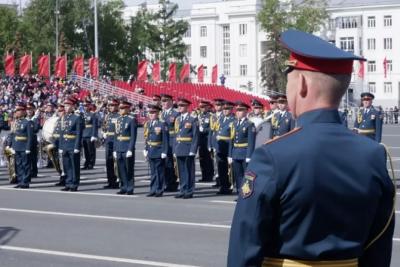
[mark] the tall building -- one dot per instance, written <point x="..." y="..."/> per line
<point x="227" y="33"/>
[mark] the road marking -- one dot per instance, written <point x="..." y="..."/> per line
<point x="223" y="201"/>
<point x="113" y="218"/>
<point x="92" y="257"/>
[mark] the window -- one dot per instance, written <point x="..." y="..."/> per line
<point x="203" y="31"/>
<point x="371" y="44"/>
<point x="387" y="21"/>
<point x="264" y="47"/>
<point x="243" y="50"/>
<point x="348" y="22"/>
<point x="188" y="33"/>
<point x="387" y="87"/>
<point x="226" y="42"/>
<point x="203" y="51"/>
<point x="371" y="22"/>
<point x="243" y="70"/>
<point x="347" y="44"/>
<point x="387" y="43"/>
<point x="372" y="87"/>
<point x="389" y="65"/>
<point x="242" y="29"/>
<point x="371" y="66"/>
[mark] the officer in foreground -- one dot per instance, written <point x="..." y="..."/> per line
<point x="369" y="119"/>
<point x="304" y="201"/>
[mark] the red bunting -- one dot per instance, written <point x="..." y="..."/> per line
<point x="9" y="65"/>
<point x="156" y="71"/>
<point x="200" y="74"/>
<point x="77" y="67"/>
<point x="142" y="71"/>
<point x="361" y="70"/>
<point x="25" y="65"/>
<point x="172" y="72"/>
<point x="94" y="67"/>
<point x="214" y="75"/>
<point x="185" y="71"/>
<point x="61" y="67"/>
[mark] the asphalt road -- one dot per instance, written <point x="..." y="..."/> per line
<point x="43" y="226"/>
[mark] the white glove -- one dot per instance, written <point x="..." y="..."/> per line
<point x="191" y="154"/>
<point x="230" y="160"/>
<point x="115" y="155"/>
<point x="128" y="154"/>
<point x="247" y="160"/>
<point x="105" y="135"/>
<point x="145" y="153"/>
<point x="60" y="151"/>
<point x="92" y="139"/>
<point x="201" y="128"/>
<point x="76" y="151"/>
<point x="163" y="155"/>
<point x="209" y="149"/>
<point x="174" y="155"/>
<point x="12" y="151"/>
<point x="27" y="151"/>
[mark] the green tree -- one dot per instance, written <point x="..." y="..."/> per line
<point x="277" y="16"/>
<point x="8" y="29"/>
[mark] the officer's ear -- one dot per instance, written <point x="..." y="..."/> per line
<point x="303" y="87"/>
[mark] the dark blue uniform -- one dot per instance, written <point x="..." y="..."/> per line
<point x="169" y="117"/>
<point x="89" y="147"/>
<point x="185" y="149"/>
<point x="124" y="141"/>
<point x="369" y="123"/>
<point x="109" y="131"/>
<point x="57" y="157"/>
<point x="307" y="196"/>
<point x="281" y="123"/>
<point x="21" y="140"/>
<point x="70" y="144"/>
<point x="343" y="118"/>
<point x="34" y="149"/>
<point x="205" y="159"/>
<point x="157" y="143"/>
<point x="241" y="148"/>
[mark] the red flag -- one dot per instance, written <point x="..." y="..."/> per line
<point x="156" y="71"/>
<point x="44" y="66"/>
<point x="94" y="67"/>
<point x="214" y="74"/>
<point x="142" y="71"/>
<point x="385" y="67"/>
<point x="61" y="67"/>
<point x="361" y="70"/>
<point x="185" y="71"/>
<point x="77" y="67"/>
<point x="25" y="65"/>
<point x="172" y="72"/>
<point x="200" y="74"/>
<point x="9" y="65"/>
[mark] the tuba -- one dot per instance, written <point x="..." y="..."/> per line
<point x="47" y="141"/>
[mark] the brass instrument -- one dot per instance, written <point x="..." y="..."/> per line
<point x="359" y="116"/>
<point x="10" y="156"/>
<point x="47" y="143"/>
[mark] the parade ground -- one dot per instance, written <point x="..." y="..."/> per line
<point x="43" y="226"/>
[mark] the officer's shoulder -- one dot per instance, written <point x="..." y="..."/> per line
<point x="278" y="140"/>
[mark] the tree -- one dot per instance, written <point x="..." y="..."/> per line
<point x="275" y="17"/>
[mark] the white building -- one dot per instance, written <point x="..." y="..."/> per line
<point x="226" y="33"/>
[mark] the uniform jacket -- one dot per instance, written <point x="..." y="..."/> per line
<point x="321" y="192"/>
<point x="223" y="134"/>
<point x="370" y="120"/>
<point x="243" y="142"/>
<point x="187" y="135"/>
<point x="91" y="125"/>
<point x="204" y="128"/>
<point x="71" y="132"/>
<point x="169" y="118"/>
<point x="214" y="126"/>
<point x="110" y="124"/>
<point x="21" y="138"/>
<point x="125" y="134"/>
<point x="156" y="138"/>
<point x="281" y="124"/>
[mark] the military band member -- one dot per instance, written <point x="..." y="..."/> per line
<point x="205" y="159"/>
<point x="20" y="142"/>
<point x="343" y="116"/>
<point x="185" y="148"/>
<point x="156" y="100"/>
<point x="56" y="143"/>
<point x="369" y="120"/>
<point x="49" y="110"/>
<point x="90" y="135"/>
<point x="33" y="116"/>
<point x="223" y="138"/>
<point x="282" y="121"/>
<point x="156" y="149"/>
<point x="257" y="109"/>
<point x="241" y="147"/>
<point x="169" y="116"/>
<point x="70" y="144"/>
<point x="304" y="201"/>
<point x="124" y="148"/>
<point x="110" y="122"/>
<point x="273" y="104"/>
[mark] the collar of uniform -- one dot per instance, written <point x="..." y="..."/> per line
<point x="184" y="115"/>
<point x="319" y="116"/>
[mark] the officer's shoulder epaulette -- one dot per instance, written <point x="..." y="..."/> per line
<point x="295" y="130"/>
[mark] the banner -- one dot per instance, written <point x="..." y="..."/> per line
<point x="185" y="71"/>
<point x="142" y="71"/>
<point x="44" y="66"/>
<point x="25" y="65"/>
<point x="172" y="72"/>
<point x="9" y="65"/>
<point x="361" y="70"/>
<point x="77" y="67"/>
<point x="200" y="74"/>
<point x="214" y="75"/>
<point x="61" y="67"/>
<point x="156" y="71"/>
<point x="94" y="67"/>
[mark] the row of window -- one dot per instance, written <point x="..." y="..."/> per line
<point x="372" y="66"/>
<point x="203" y="31"/>
<point x="387" y="21"/>
<point x="351" y="22"/>
<point x="226" y="49"/>
<point x="387" y="87"/>
<point x="387" y="43"/>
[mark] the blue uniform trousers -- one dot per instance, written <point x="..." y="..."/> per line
<point x="222" y="166"/>
<point x="186" y="170"/>
<point x="205" y="159"/>
<point x="111" y="177"/>
<point x="238" y="169"/>
<point x="125" y="171"/>
<point x="157" y="175"/>
<point x="71" y="164"/>
<point x="22" y="167"/>
<point x="170" y="175"/>
<point x="34" y="157"/>
<point x="89" y="150"/>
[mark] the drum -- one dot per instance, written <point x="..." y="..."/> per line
<point x="48" y="129"/>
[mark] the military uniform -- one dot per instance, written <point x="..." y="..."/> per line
<point x="110" y="122"/>
<point x="205" y="159"/>
<point x="124" y="150"/>
<point x="90" y="135"/>
<point x="185" y="149"/>
<point x="156" y="147"/>
<point x="70" y="147"/>
<point x="34" y="149"/>
<point x="56" y="144"/>
<point x="343" y="117"/>
<point x="212" y="138"/>
<point x="304" y="200"/>
<point x="281" y="123"/>
<point x="369" y="121"/>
